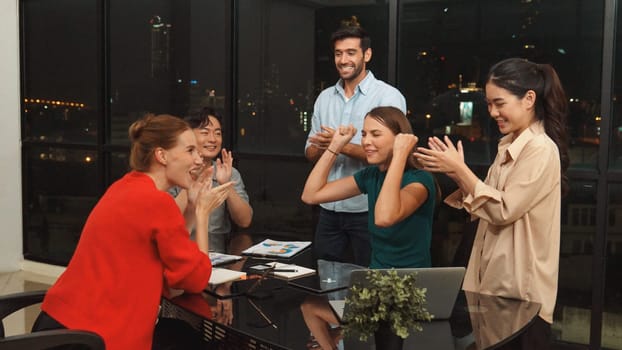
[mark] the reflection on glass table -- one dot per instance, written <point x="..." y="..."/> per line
<point x="477" y="321"/>
<point x="496" y="320"/>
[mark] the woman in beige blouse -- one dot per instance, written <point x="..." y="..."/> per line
<point x="516" y="248"/>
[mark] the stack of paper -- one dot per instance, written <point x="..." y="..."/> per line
<point x="220" y="275"/>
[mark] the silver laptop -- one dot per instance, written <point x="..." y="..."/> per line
<point x="442" y="284"/>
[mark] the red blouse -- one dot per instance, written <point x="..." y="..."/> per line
<point x="133" y="242"/>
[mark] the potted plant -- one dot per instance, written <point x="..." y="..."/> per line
<point x="388" y="306"/>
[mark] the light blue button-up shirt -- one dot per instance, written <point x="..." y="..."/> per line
<point x="333" y="109"/>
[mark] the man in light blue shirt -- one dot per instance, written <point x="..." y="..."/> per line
<point x="344" y="223"/>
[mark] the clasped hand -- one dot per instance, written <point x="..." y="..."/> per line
<point x="323" y="138"/>
<point x="342" y="137"/>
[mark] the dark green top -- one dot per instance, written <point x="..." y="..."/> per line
<point x="407" y="243"/>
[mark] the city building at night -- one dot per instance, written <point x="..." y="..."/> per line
<point x="77" y="73"/>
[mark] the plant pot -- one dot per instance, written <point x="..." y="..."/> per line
<point x="387" y="340"/>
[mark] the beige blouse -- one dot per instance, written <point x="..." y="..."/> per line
<point x="516" y="249"/>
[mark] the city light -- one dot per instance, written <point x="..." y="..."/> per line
<point x="54" y="103"/>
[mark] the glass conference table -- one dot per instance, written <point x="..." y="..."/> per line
<point x="267" y="316"/>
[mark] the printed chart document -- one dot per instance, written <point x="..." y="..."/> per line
<point x="277" y="249"/>
<point x="219" y="259"/>
<point x="220" y="275"/>
<point x="283" y="271"/>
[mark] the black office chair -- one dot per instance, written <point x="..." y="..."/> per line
<point x="43" y="339"/>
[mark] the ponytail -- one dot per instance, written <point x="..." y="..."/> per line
<point x="554" y="115"/>
<point x="518" y="76"/>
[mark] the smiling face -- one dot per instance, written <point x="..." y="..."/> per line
<point x="182" y="161"/>
<point x="350" y="60"/>
<point x="209" y="139"/>
<point x="377" y="141"/>
<point x="513" y="114"/>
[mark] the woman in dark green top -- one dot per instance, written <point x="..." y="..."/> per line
<point x="401" y="200"/>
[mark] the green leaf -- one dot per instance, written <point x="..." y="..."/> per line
<point x="387" y="297"/>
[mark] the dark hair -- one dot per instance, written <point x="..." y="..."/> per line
<point x="351" y="28"/>
<point x="396" y="121"/>
<point x="150" y="132"/>
<point x="201" y="118"/>
<point x="518" y="76"/>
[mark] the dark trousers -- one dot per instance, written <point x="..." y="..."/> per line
<point x="336" y="231"/>
<point x="537" y="336"/>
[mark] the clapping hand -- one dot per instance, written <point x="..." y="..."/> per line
<point x="204" y="175"/>
<point x="210" y="198"/>
<point x="441" y="156"/>
<point x="224" y="167"/>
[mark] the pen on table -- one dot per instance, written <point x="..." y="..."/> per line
<point x="284" y="270"/>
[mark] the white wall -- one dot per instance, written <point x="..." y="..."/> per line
<point x="11" y="254"/>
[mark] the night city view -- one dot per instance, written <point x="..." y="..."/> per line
<point x="263" y="72"/>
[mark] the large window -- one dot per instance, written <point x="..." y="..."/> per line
<point x="612" y="304"/>
<point x="81" y="92"/>
<point x="165" y="57"/>
<point x="284" y="62"/>
<point x="91" y="67"/>
<point x="612" y="315"/>
<point x="60" y="113"/>
<point x="445" y="51"/>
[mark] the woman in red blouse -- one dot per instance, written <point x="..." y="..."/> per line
<point x="134" y="243"/>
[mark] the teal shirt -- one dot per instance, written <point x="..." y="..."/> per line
<point x="407" y="243"/>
